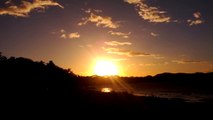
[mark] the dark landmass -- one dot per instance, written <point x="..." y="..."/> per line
<point x="30" y="87"/>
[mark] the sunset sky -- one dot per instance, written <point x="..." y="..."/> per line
<point x="141" y="37"/>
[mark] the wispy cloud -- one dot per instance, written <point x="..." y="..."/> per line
<point x="64" y="36"/>
<point x="104" y="21"/>
<point x="197" y="15"/>
<point x="90" y="10"/>
<point x="116" y="43"/>
<point x="195" y="22"/>
<point x="125" y="52"/>
<point x="147" y="64"/>
<point x="154" y="34"/>
<point x="149" y="13"/>
<point x="186" y="61"/>
<point x="74" y="35"/>
<point x="123" y="35"/>
<point x="197" y="19"/>
<point x="88" y="46"/>
<point x="133" y="1"/>
<point x="153" y="64"/>
<point x="25" y="7"/>
<point x="120" y="59"/>
<point x="62" y="31"/>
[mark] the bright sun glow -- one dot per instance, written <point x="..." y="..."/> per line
<point x="105" y="68"/>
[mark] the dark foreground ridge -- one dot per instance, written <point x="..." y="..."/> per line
<point x="29" y="87"/>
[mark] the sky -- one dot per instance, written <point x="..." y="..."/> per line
<point x="141" y="37"/>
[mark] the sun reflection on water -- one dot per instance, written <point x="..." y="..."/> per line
<point x="106" y="90"/>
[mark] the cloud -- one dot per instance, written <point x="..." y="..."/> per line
<point x="153" y="64"/>
<point x="116" y="43"/>
<point x="197" y="15"/>
<point x="186" y="61"/>
<point x="125" y="52"/>
<point x="62" y="31"/>
<point x="151" y="14"/>
<point x="123" y="35"/>
<point x="64" y="35"/>
<point x="133" y="1"/>
<point x="120" y="59"/>
<point x="195" y="22"/>
<point x="88" y="45"/>
<point x="147" y="64"/>
<point x="74" y="35"/>
<point x="154" y="34"/>
<point x="90" y="10"/>
<point x="104" y="21"/>
<point x="197" y="19"/>
<point x="24" y="8"/>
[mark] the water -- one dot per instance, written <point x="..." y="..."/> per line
<point x="187" y="93"/>
<point x="189" y="97"/>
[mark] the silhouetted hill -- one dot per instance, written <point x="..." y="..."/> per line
<point x="188" y="82"/>
<point x="174" y="77"/>
<point x="199" y="82"/>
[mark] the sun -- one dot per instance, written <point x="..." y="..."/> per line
<point x="105" y="68"/>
